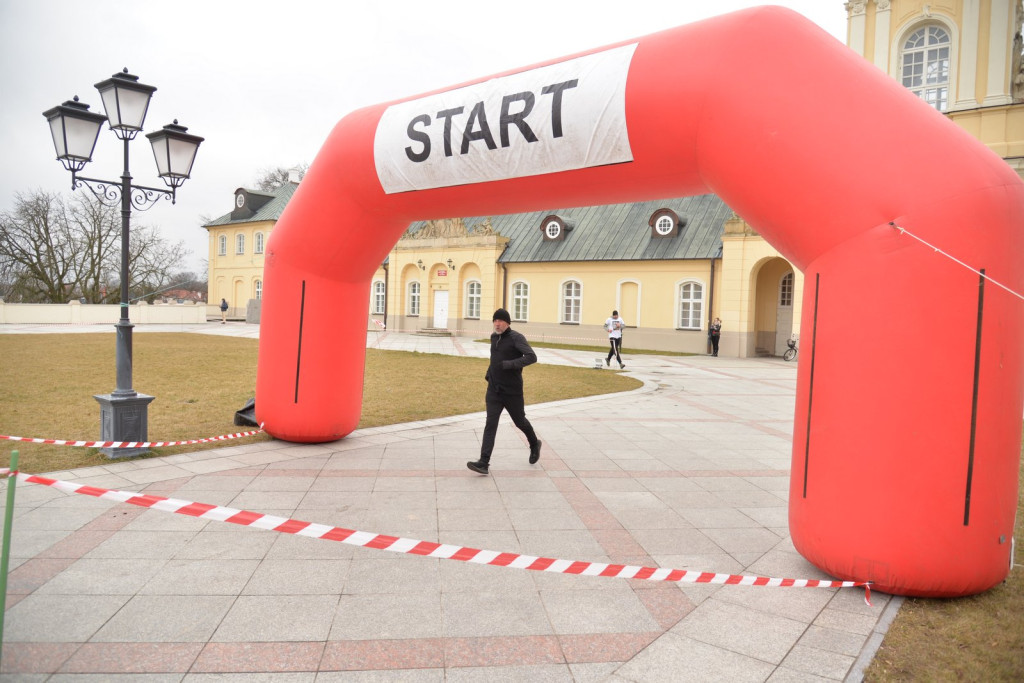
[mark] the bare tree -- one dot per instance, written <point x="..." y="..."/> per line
<point x="38" y="249"/>
<point x="153" y="262"/>
<point x="269" y="179"/>
<point x="189" y="281"/>
<point x="52" y="250"/>
<point x="99" y="229"/>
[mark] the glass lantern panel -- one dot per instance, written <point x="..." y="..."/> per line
<point x="79" y="137"/>
<point x="126" y="108"/>
<point x="57" y="132"/>
<point x="181" y="155"/>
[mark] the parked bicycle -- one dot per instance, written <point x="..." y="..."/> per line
<point x="790" y="353"/>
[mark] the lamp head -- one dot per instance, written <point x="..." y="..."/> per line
<point x="126" y="102"/>
<point x="75" y="130"/>
<point x="175" y="151"/>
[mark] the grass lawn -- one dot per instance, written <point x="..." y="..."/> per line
<point x="48" y="382"/>
<point x="200" y="381"/>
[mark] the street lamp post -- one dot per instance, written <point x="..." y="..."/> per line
<point x="124" y="412"/>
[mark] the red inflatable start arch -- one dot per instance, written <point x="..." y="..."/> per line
<point x="911" y="382"/>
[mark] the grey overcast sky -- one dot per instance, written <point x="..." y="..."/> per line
<point x="264" y="82"/>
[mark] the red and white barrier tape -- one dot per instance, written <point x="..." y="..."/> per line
<point x="427" y="548"/>
<point x="130" y="444"/>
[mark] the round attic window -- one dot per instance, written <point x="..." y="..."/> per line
<point x="553" y="229"/>
<point x="664" y="225"/>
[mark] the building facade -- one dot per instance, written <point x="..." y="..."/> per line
<point x="237" y="241"/>
<point x="961" y="56"/>
<point x="671" y="266"/>
<point x="560" y="273"/>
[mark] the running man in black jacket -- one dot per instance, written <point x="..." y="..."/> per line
<point x="510" y="353"/>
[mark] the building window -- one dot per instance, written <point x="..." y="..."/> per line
<point x="239" y="244"/>
<point x="664" y="225"/>
<point x="572" y="299"/>
<point x="691" y="305"/>
<point x="520" y="302"/>
<point x="474" y="291"/>
<point x="786" y="290"/>
<point x="222" y="245"/>
<point x="414" y="298"/>
<point x="378" y="297"/>
<point x="925" y="60"/>
<point x="554" y="228"/>
<point x="259" y="289"/>
<point x="258" y="243"/>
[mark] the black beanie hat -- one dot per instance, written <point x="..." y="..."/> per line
<point x="501" y="314"/>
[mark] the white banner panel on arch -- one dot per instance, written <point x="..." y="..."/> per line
<point x="559" y="117"/>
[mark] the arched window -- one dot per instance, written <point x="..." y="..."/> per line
<point x="222" y="245"/>
<point x="378" y="297"/>
<point x="474" y="292"/>
<point x="258" y="287"/>
<point x="572" y="302"/>
<point x="414" y="298"/>
<point x="258" y="243"/>
<point x="520" y="302"/>
<point x="925" y="64"/>
<point x="664" y="225"/>
<point x="239" y="244"/>
<point x="691" y="305"/>
<point x="786" y="290"/>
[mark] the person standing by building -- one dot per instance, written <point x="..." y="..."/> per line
<point x="613" y="326"/>
<point x="510" y="353"/>
<point x="223" y="311"/>
<point x="714" y="334"/>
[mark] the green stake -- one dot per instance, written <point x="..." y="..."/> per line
<point x="5" y="551"/>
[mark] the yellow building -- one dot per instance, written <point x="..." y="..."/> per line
<point x="237" y="241"/>
<point x="560" y="273"/>
<point x="961" y="56"/>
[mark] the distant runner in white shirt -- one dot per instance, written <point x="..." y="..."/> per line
<point x="614" y="326"/>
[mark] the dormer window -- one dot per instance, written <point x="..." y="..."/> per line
<point x="247" y="203"/>
<point x="666" y="223"/>
<point x="555" y="228"/>
<point x="243" y="207"/>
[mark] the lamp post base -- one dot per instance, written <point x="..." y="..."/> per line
<point x="124" y="418"/>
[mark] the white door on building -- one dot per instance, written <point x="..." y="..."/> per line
<point x="441" y="309"/>
<point x="784" y="314"/>
<point x="783" y="328"/>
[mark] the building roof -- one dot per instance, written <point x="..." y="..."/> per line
<point x="270" y="211"/>
<point x="614" y="232"/>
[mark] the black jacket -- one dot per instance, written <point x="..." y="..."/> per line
<point x="510" y="353"/>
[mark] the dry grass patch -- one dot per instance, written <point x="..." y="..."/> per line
<point x="977" y="638"/>
<point x="199" y="381"/>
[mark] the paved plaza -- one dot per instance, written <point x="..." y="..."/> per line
<point x="691" y="471"/>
